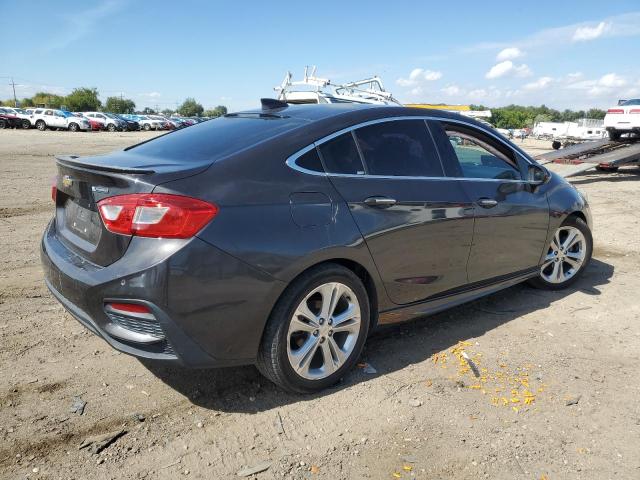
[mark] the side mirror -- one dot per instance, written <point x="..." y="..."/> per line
<point x="538" y="175"/>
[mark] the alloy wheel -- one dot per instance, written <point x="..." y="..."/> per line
<point x="323" y="331"/>
<point x="565" y="256"/>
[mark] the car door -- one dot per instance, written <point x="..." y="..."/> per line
<point x="511" y="214"/>
<point x="417" y="223"/>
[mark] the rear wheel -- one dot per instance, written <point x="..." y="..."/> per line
<point x="40" y="125"/>
<point x="567" y="256"/>
<point x="73" y="127"/>
<point x="26" y="124"/>
<point x="3" y="123"/>
<point x="604" y="168"/>
<point x="147" y="127"/>
<point x="316" y="331"/>
<point x="614" y="134"/>
<point x="111" y="127"/>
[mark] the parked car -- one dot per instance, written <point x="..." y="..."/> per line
<point x="130" y="125"/>
<point x="44" y="118"/>
<point x="623" y="118"/>
<point x="147" y="123"/>
<point x="109" y="121"/>
<point x="283" y="236"/>
<point x="21" y="114"/>
<point x="94" y="125"/>
<point x="9" y="119"/>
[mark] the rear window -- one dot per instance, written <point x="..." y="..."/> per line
<point x="215" y="139"/>
<point x="340" y="155"/>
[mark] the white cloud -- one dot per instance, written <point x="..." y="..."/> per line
<point x="509" y="53"/>
<point x="452" y="90"/>
<point x="590" y="33"/>
<point x="151" y="94"/>
<point x="508" y="68"/>
<point x="418" y="76"/>
<point x="612" y="80"/>
<point x="539" y="84"/>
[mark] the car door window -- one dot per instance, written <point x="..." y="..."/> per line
<point x="399" y="148"/>
<point x="48" y="112"/>
<point x="480" y="156"/>
<point x="340" y="155"/>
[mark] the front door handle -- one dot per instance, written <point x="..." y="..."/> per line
<point x="380" y="202"/>
<point x="487" y="202"/>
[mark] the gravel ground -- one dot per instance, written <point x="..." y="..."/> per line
<point x="556" y="398"/>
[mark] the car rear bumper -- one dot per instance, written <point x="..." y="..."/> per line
<point x="208" y="308"/>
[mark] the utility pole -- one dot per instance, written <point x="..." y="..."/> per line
<point x="15" y="100"/>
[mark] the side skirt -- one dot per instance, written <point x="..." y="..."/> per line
<point x="454" y="297"/>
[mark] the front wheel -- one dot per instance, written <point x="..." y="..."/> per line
<point x="147" y="127"/>
<point x="74" y="127"/>
<point x="40" y="125"/>
<point x="567" y="256"/>
<point x="111" y="127"/>
<point x="26" y="124"/>
<point x="316" y="331"/>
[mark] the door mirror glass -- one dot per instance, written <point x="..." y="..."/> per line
<point x="538" y="175"/>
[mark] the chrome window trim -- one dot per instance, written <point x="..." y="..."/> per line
<point x="291" y="160"/>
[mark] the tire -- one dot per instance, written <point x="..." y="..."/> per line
<point x="614" y="134"/>
<point x="3" y="123"/>
<point x="111" y="127"/>
<point x="277" y="355"/>
<point x="557" y="260"/>
<point x="147" y="127"/>
<point x="26" y="124"/>
<point x="556" y="145"/>
<point x="73" y="127"/>
<point x="602" y="168"/>
<point x="40" y="125"/>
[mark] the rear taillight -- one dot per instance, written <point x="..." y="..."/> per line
<point x="128" y="307"/>
<point x="155" y="215"/>
<point x="634" y="110"/>
<point x="54" y="193"/>
<point x="615" y="110"/>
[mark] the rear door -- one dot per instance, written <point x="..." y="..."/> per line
<point x="417" y="223"/>
<point x="511" y="215"/>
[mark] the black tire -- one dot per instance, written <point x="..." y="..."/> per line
<point x="73" y="127"/>
<point x="556" y="145"/>
<point x="614" y="134"/>
<point x="3" y="123"/>
<point x="26" y="124"/>
<point x="602" y="168"/>
<point x="273" y="360"/>
<point x="40" y="125"/>
<point x="577" y="222"/>
<point x="111" y="127"/>
<point x="147" y="127"/>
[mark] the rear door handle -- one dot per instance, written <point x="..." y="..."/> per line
<point x="487" y="202"/>
<point x="380" y="202"/>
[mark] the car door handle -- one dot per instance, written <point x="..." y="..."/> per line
<point x="487" y="202"/>
<point x="379" y="202"/>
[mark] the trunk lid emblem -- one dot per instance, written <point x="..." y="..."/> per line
<point x="67" y="181"/>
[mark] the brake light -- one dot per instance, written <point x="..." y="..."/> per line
<point x="54" y="193"/>
<point x="615" y="110"/>
<point x="634" y="110"/>
<point x="155" y="215"/>
<point x="129" y="307"/>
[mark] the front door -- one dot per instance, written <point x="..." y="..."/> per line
<point x="417" y="223"/>
<point x="511" y="215"/>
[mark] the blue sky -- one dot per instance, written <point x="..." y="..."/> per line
<point x="564" y="54"/>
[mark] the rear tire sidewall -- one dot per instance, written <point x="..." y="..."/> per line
<point x="26" y="124"/>
<point x="273" y="358"/>
<point x="3" y="124"/>
<point x="614" y="135"/>
<point x="40" y="125"/>
<point x="540" y="282"/>
<point x="111" y="127"/>
<point x="73" y="127"/>
<point x="147" y="127"/>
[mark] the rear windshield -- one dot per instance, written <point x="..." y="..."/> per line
<point x="215" y="139"/>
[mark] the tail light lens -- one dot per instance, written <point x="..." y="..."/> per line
<point x="129" y="307"/>
<point x="615" y="110"/>
<point x="634" y="110"/>
<point x="155" y="215"/>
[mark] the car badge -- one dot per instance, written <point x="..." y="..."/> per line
<point x="99" y="189"/>
<point x="67" y="181"/>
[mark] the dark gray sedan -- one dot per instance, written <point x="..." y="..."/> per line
<point x="281" y="237"/>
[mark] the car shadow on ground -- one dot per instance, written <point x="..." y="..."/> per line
<point x="622" y="175"/>
<point x="389" y="349"/>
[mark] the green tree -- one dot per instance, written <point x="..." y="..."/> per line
<point x="148" y="111"/>
<point x="167" y="112"/>
<point x="596" y="113"/>
<point x="82" y="100"/>
<point x="48" y="99"/>
<point x="119" y="105"/>
<point x="216" y="112"/>
<point x="190" y="108"/>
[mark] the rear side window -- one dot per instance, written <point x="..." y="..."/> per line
<point x="310" y="161"/>
<point x="399" y="148"/>
<point x="340" y="155"/>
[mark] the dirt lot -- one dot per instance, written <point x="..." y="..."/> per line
<point x="557" y="397"/>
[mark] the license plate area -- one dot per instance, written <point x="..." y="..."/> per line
<point x="82" y="222"/>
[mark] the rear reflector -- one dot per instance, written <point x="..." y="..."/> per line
<point x="615" y="110"/>
<point x="54" y="193"/>
<point x="155" y="215"/>
<point x="129" y="307"/>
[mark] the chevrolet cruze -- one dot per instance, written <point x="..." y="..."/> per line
<point x="281" y="237"/>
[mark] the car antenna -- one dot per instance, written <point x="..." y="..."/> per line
<point x="272" y="104"/>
